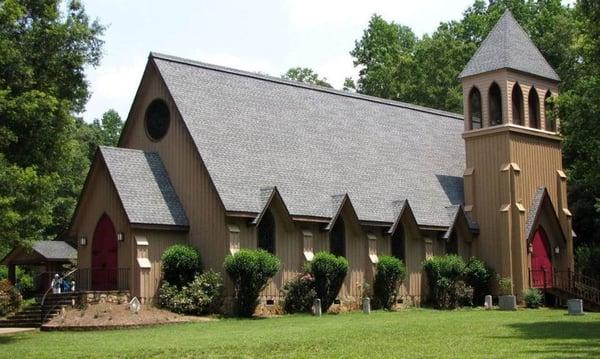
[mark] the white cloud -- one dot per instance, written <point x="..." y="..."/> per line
<point x="113" y="86"/>
<point x="241" y="63"/>
<point x="422" y="16"/>
<point x="337" y="69"/>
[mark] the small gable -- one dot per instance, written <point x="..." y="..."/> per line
<point x="542" y="213"/>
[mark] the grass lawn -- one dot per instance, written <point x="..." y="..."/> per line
<point x="410" y="333"/>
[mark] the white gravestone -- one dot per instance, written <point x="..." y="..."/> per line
<point x="135" y="305"/>
<point x="367" y="305"/>
<point x="317" y="307"/>
<point x="488" y="302"/>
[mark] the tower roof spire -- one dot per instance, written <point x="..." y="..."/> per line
<point x="508" y="46"/>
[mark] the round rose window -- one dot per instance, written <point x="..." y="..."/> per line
<point x="157" y="120"/>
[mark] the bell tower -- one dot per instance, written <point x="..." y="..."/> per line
<point x="514" y="181"/>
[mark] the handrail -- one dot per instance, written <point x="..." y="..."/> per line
<point x="43" y="316"/>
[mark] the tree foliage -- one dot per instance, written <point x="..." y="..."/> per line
<point x="43" y="54"/>
<point x="305" y="75"/>
<point x="396" y="64"/>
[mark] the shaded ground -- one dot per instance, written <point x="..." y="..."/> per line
<point x="410" y="333"/>
<point x="108" y="314"/>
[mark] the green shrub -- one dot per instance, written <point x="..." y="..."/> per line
<point x="533" y="298"/>
<point x="390" y="273"/>
<point x="479" y="276"/>
<point x="329" y="272"/>
<point x="443" y="275"/>
<point x="463" y="294"/>
<point x="505" y="285"/>
<point x="203" y="295"/>
<point x="24" y="281"/>
<point x="250" y="271"/>
<point x="10" y="298"/>
<point x="180" y="264"/>
<point x="299" y="294"/>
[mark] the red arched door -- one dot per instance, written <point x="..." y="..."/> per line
<point x="104" y="255"/>
<point x="541" y="260"/>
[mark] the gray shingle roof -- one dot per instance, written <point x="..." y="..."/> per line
<point x="508" y="46"/>
<point x="536" y="206"/>
<point x="55" y="250"/>
<point x="144" y="187"/>
<point x="254" y="131"/>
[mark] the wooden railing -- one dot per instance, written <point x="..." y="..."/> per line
<point x="573" y="283"/>
<point x="578" y="285"/>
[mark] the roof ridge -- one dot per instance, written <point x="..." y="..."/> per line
<point x="281" y="81"/>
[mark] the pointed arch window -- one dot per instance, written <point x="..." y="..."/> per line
<point x="452" y="243"/>
<point x="337" y="239"/>
<point x="266" y="233"/>
<point x="534" y="109"/>
<point x="549" y="113"/>
<point x="517" y="105"/>
<point x="398" y="242"/>
<point x="475" y="109"/>
<point x="495" y="105"/>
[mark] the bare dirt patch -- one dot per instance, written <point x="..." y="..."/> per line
<point x="110" y="315"/>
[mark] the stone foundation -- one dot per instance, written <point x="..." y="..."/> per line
<point x="95" y="297"/>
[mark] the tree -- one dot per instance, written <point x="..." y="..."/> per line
<point x="579" y="110"/>
<point x="305" y="75"/>
<point x="43" y="54"/>
<point x="396" y="64"/>
<point x="101" y="132"/>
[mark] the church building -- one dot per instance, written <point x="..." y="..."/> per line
<point x="224" y="159"/>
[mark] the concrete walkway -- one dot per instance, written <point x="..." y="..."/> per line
<point x="16" y="330"/>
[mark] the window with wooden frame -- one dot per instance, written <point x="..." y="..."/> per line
<point x="337" y="239"/>
<point x="397" y="243"/>
<point x="266" y="233"/>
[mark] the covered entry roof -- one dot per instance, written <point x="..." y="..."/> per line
<point x="41" y="251"/>
<point x="144" y="187"/>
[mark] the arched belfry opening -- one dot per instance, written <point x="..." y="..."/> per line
<point x="104" y="271"/>
<point x="495" y="104"/>
<point x="475" y="111"/>
<point x="549" y="112"/>
<point x="266" y="232"/>
<point x="534" y="109"/>
<point x="337" y="238"/>
<point x="517" y="105"/>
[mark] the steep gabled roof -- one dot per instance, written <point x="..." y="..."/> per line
<point x="541" y="200"/>
<point x="313" y="142"/>
<point x="143" y="186"/>
<point x="508" y="46"/>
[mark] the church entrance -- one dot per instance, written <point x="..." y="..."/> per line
<point x="541" y="262"/>
<point x="104" y="255"/>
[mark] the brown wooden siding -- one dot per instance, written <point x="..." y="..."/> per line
<point x="189" y="176"/>
<point x="99" y="197"/>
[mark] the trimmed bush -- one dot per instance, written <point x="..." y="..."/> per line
<point x="10" y="298"/>
<point x="443" y="275"/>
<point x="505" y="285"/>
<point x="533" y="298"/>
<point x="390" y="273"/>
<point x="479" y="276"/>
<point x="299" y="294"/>
<point x="250" y="271"/>
<point x="181" y="264"/>
<point x="203" y="295"/>
<point x="329" y="272"/>
<point x="24" y="281"/>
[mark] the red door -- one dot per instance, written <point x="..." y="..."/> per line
<point x="541" y="262"/>
<point x="104" y="255"/>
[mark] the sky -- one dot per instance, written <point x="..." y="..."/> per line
<point x="261" y="36"/>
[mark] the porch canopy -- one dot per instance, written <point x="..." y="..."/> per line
<point x="47" y="254"/>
